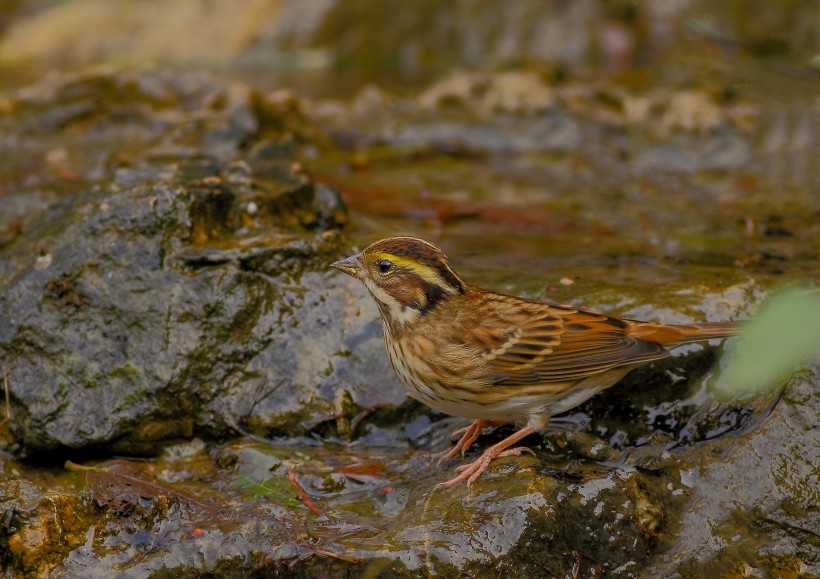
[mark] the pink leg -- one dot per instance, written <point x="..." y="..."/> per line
<point x="468" y="434"/>
<point x="470" y="472"/>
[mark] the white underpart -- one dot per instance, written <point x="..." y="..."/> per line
<point x="401" y="314"/>
<point x="524" y="409"/>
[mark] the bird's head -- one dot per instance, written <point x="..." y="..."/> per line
<point x="406" y="276"/>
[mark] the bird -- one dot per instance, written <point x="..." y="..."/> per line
<point x="496" y="358"/>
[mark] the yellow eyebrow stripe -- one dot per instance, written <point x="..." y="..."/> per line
<point x="425" y="271"/>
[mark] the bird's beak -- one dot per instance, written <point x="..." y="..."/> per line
<point x="352" y="266"/>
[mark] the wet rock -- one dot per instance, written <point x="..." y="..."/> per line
<point x="533" y="523"/>
<point x="758" y="501"/>
<point x="466" y="114"/>
<point x="38" y="528"/>
<point x="379" y="517"/>
<point x="187" y="290"/>
<point x="487" y="94"/>
<point x="480" y="113"/>
<point x="692" y="111"/>
<point x="235" y="509"/>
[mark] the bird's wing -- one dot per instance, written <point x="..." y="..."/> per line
<point x="524" y="342"/>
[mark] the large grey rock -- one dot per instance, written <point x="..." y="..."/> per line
<point x="186" y="292"/>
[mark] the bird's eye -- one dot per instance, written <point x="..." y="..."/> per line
<point x="384" y="266"/>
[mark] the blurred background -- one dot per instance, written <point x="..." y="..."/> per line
<point x="572" y="132"/>
<point x="327" y="48"/>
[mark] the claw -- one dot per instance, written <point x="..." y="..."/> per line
<point x="468" y="434"/>
<point x="461" y="431"/>
<point x="471" y="472"/>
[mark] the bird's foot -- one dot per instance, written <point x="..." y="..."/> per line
<point x="470" y="472"/>
<point x="468" y="434"/>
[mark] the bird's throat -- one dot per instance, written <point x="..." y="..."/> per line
<point x="403" y="305"/>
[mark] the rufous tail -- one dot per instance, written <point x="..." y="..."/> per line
<point x="683" y="333"/>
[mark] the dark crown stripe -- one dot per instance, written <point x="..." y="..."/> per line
<point x="422" y="252"/>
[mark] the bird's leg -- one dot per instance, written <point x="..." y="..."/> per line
<point x="468" y="435"/>
<point x="470" y="472"/>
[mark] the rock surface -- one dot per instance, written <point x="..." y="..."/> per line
<point x="189" y="293"/>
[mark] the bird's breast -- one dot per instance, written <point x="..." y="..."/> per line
<point x="421" y="371"/>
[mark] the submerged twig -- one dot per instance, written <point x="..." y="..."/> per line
<point x="305" y="498"/>
<point x="327" y="553"/>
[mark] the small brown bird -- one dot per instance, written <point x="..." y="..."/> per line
<point x="496" y="358"/>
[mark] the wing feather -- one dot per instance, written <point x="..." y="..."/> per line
<point x="539" y="343"/>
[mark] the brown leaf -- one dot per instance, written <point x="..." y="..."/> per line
<point x="120" y="483"/>
<point x="363" y="471"/>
